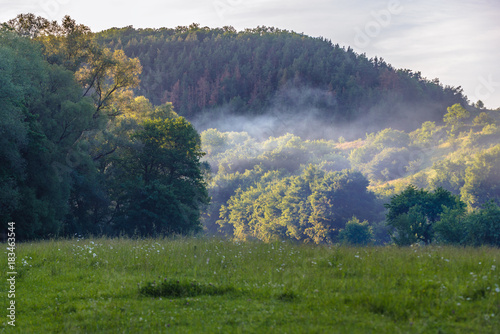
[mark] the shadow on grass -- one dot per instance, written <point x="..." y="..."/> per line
<point x="178" y="289"/>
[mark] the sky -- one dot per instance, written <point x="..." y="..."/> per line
<point x="457" y="41"/>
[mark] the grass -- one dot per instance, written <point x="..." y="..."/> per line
<point x="189" y="285"/>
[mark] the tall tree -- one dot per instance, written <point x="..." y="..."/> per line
<point x="413" y="213"/>
<point x="158" y="180"/>
<point x="43" y="104"/>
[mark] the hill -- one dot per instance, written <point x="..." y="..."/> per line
<point x="267" y="70"/>
<point x="284" y="159"/>
<point x="288" y="187"/>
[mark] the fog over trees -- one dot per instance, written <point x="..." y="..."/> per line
<point x="259" y="134"/>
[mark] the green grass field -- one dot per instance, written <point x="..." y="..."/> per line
<point x="190" y="285"/>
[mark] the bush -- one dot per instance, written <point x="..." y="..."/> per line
<point x="389" y="164"/>
<point x="483" y="226"/>
<point x="356" y="233"/>
<point x="480" y="227"/>
<point x="450" y="229"/>
<point x="414" y="212"/>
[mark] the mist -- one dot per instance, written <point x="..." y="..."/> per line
<point x="312" y="113"/>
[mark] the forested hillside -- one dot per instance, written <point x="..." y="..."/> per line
<point x="263" y="70"/>
<point x="91" y="143"/>
<point x="313" y="190"/>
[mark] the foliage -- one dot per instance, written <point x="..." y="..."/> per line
<point x="177" y="289"/>
<point x="451" y="227"/>
<point x="477" y="228"/>
<point x="482" y="178"/>
<point x="413" y="213"/>
<point x="311" y="207"/>
<point x="384" y="156"/>
<point x="426" y="134"/>
<point x="483" y="119"/>
<point x="356" y="233"/>
<point x="483" y="226"/>
<point x="238" y="160"/>
<point x="199" y="69"/>
<point x="82" y="154"/>
<point x="43" y="116"/>
<point x="158" y="181"/>
<point x="449" y="174"/>
<point x="455" y="114"/>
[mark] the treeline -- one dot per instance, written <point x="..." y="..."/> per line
<point x="417" y="215"/>
<point x="335" y="191"/>
<point x="199" y="69"/>
<point x="79" y="153"/>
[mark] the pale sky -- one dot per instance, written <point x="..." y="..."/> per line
<point x="457" y="41"/>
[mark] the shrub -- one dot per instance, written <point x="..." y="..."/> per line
<point x="356" y="233"/>
<point x="483" y="226"/>
<point x="451" y="228"/>
<point x="480" y="227"/>
<point x="414" y="211"/>
<point x="389" y="164"/>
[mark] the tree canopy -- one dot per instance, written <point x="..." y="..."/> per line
<point x="81" y="154"/>
<point x="413" y="213"/>
<point x="200" y="69"/>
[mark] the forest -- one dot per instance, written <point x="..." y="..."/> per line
<point x="260" y="134"/>
<point x="204" y="71"/>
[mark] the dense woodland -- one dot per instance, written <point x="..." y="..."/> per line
<point x="92" y="145"/>
<point x="80" y="153"/>
<point x="265" y="69"/>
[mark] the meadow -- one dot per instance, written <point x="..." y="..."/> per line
<point x="209" y="285"/>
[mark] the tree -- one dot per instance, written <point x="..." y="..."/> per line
<point x="413" y="213"/>
<point x="334" y="200"/>
<point x="107" y="73"/>
<point x="476" y="228"/>
<point x="14" y="130"/>
<point x="311" y="207"/>
<point x="29" y="25"/>
<point x="482" y="178"/>
<point x="455" y="114"/>
<point x="158" y="184"/>
<point x="483" y="119"/>
<point x="44" y="116"/>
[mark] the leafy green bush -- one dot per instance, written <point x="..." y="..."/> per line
<point x="478" y="228"/>
<point x="414" y="211"/>
<point x="482" y="178"/>
<point x="483" y="226"/>
<point x="391" y="138"/>
<point x="451" y="228"/>
<point x="483" y="119"/>
<point x="356" y="233"/>
<point x="389" y="164"/>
